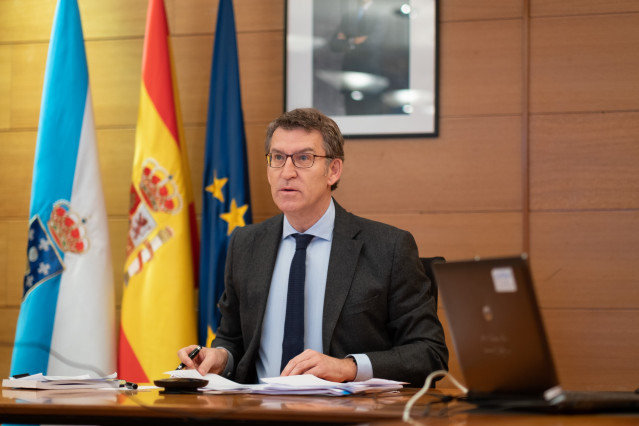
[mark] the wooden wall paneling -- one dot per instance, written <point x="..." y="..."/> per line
<point x="200" y="16"/>
<point x="594" y="349"/>
<point x="5" y="243"/>
<point x="118" y="232"/>
<point x="584" y="161"/>
<point x="5" y="86"/>
<point x="474" y="165"/>
<point x="261" y="75"/>
<point x="26" y="20"/>
<point x="584" y="63"/>
<point x="8" y="319"/>
<point x="115" y="151"/>
<point x="115" y="68"/>
<point x="480" y="67"/>
<point x="113" y="18"/>
<point x="16" y="168"/>
<point x="460" y="236"/>
<point x="27" y="78"/>
<point x="192" y="55"/>
<point x="586" y="259"/>
<point x="471" y="10"/>
<point x="262" y="206"/>
<point x="539" y="8"/>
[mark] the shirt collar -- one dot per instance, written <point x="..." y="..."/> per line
<point x="323" y="228"/>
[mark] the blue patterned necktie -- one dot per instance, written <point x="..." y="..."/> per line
<point x="293" y="342"/>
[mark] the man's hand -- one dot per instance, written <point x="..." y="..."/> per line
<point x="322" y="366"/>
<point x="208" y="360"/>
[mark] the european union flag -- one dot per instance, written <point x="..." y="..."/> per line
<point x="226" y="198"/>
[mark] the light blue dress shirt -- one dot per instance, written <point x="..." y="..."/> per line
<point x="317" y="257"/>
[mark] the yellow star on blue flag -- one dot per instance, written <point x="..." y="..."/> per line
<point x="235" y="217"/>
<point x="216" y="187"/>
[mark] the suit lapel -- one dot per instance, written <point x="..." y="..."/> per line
<point x="345" y="252"/>
<point x="264" y="248"/>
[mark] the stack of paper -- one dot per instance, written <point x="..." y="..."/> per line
<point x="40" y="381"/>
<point x="305" y="384"/>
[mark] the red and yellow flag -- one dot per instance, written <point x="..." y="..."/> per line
<point x="158" y="301"/>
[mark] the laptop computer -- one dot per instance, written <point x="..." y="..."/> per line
<point x="500" y="341"/>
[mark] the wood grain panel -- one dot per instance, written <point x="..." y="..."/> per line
<point x="200" y="16"/>
<point x="4" y="251"/>
<point x="15" y="258"/>
<point x="115" y="150"/>
<point x="5" y="86"/>
<point x="16" y="168"/>
<point x="118" y="231"/>
<point x="474" y="165"/>
<point x="540" y="8"/>
<point x="586" y="259"/>
<point x="480" y="67"/>
<point x="585" y="63"/>
<point x="458" y="236"/>
<point x="113" y="18"/>
<point x="471" y="10"/>
<point x="584" y="161"/>
<point x="115" y="74"/>
<point x="26" y="20"/>
<point x="27" y="77"/>
<point x="595" y="349"/>
<point x="8" y="320"/>
<point x="262" y="75"/>
<point x="263" y="206"/>
<point x="192" y="56"/>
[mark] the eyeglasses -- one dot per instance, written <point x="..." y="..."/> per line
<point x="301" y="160"/>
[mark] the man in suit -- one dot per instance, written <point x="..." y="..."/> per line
<point x="368" y="310"/>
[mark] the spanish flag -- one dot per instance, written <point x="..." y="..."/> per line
<point x="158" y="301"/>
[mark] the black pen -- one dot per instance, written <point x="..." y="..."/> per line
<point x="192" y="355"/>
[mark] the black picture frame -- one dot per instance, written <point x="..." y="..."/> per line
<point x="379" y="78"/>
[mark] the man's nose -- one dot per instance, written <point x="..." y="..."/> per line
<point x="289" y="169"/>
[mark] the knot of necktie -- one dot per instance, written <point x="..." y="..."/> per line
<point x="302" y="241"/>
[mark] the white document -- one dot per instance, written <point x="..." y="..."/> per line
<point x="305" y="384"/>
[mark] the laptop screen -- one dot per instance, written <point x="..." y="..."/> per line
<point x="495" y="326"/>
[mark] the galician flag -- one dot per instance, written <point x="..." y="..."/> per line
<point x="67" y="316"/>
<point x="158" y="301"/>
<point x="226" y="198"/>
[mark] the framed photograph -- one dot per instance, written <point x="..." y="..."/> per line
<point x="371" y="65"/>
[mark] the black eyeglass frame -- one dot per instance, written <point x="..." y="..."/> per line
<point x="270" y="155"/>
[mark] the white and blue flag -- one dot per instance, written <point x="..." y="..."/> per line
<point x="67" y="316"/>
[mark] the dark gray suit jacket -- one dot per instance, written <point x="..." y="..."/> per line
<point x="377" y="302"/>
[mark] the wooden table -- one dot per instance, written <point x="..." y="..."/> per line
<point x="150" y="406"/>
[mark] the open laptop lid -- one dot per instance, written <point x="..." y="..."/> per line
<point x="495" y="326"/>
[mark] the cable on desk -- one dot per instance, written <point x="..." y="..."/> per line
<point x="439" y="373"/>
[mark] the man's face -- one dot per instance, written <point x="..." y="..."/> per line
<point x="302" y="194"/>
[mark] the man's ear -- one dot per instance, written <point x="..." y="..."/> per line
<point x="334" y="171"/>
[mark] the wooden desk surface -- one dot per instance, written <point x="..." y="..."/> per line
<point x="113" y="407"/>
